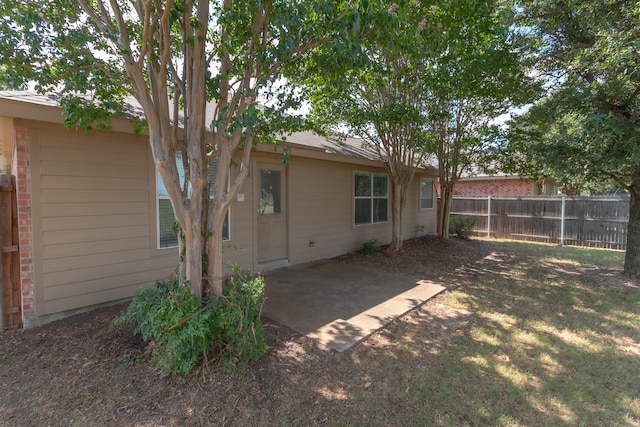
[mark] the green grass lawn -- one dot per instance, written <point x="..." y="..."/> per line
<point x="564" y="254"/>
<point x="537" y="335"/>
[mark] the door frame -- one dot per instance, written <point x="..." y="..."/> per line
<point x="276" y="164"/>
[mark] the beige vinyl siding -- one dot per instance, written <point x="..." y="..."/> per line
<point x="413" y="216"/>
<point x="95" y="220"/>
<point x="53" y="254"/>
<point x="91" y="216"/>
<point x="321" y="211"/>
<point x="81" y="209"/>
<point x="6" y="144"/>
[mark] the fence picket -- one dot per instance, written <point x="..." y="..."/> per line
<point x="593" y="221"/>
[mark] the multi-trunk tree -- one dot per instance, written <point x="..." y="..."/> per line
<point x="586" y="130"/>
<point x="479" y="74"/>
<point x="174" y="57"/>
<point x="373" y="84"/>
<point x="422" y="79"/>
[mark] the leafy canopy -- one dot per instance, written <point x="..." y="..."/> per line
<point x="56" y="47"/>
<point x="586" y="131"/>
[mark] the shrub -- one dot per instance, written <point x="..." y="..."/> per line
<point x="240" y="336"/>
<point x="184" y="328"/>
<point x="369" y="247"/>
<point x="461" y="226"/>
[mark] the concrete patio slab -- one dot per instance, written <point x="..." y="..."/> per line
<point x="340" y="304"/>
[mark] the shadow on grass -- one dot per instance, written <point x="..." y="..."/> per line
<point x="541" y="347"/>
<point x="523" y="337"/>
<point x="520" y="338"/>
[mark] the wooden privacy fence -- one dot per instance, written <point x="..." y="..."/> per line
<point x="10" y="302"/>
<point x="592" y="221"/>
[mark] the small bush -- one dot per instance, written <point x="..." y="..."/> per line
<point x="461" y="226"/>
<point x="241" y="337"/>
<point x="184" y="328"/>
<point x="369" y="247"/>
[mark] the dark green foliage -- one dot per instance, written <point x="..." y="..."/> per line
<point x="420" y="82"/>
<point x="369" y="247"/>
<point x="461" y="226"/>
<point x="177" y="322"/>
<point x="184" y="328"/>
<point x="585" y="131"/>
<point x="240" y="338"/>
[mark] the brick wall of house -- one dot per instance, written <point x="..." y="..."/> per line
<point x="495" y="187"/>
<point x="22" y="171"/>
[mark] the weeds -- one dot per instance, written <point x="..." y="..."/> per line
<point x="461" y="226"/>
<point x="369" y="247"/>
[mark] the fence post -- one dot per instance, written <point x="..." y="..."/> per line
<point x="489" y="216"/>
<point x="562" y="222"/>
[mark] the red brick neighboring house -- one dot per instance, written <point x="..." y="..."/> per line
<point x="505" y="185"/>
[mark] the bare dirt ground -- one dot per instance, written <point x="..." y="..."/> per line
<point x="78" y="372"/>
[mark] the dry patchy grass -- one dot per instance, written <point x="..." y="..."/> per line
<point x="526" y="335"/>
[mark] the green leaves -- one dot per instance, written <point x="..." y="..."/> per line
<point x="585" y="132"/>
<point x="184" y="328"/>
<point x="419" y="53"/>
<point x="415" y="78"/>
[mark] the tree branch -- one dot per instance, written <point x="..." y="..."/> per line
<point x="102" y="23"/>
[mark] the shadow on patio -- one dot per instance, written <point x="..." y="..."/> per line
<point x="340" y="304"/>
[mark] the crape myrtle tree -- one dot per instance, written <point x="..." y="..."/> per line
<point x="374" y="86"/>
<point x="458" y="127"/>
<point x="478" y="75"/>
<point x="586" y="130"/>
<point x="174" y="56"/>
<point x="423" y="78"/>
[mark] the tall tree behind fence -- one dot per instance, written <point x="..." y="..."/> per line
<point x="580" y="221"/>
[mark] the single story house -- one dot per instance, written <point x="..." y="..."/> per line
<point x="504" y="185"/>
<point x="94" y="225"/>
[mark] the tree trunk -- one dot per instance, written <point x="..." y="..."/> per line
<point x="396" y="216"/>
<point x="181" y="270"/>
<point x="632" y="255"/>
<point x="193" y="254"/>
<point x="194" y="236"/>
<point x="215" y="275"/>
<point x="444" y="208"/>
<point x="188" y="211"/>
<point x="189" y="215"/>
<point x="222" y="197"/>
